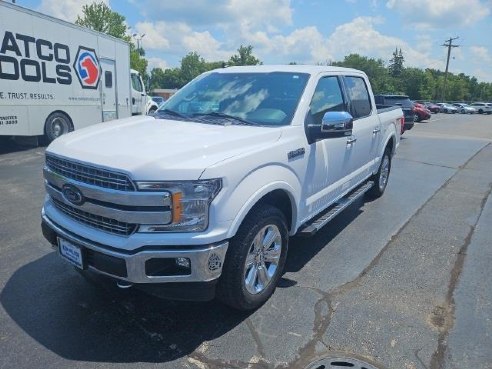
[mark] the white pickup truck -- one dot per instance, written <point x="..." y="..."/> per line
<point x="200" y="200"/>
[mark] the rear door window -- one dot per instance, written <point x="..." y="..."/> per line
<point x="360" y="100"/>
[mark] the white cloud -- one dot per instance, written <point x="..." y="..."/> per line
<point x="154" y="38"/>
<point x="157" y="63"/>
<point x="220" y="12"/>
<point x="180" y="39"/>
<point x="482" y="53"/>
<point x="304" y="45"/>
<point x="360" y="36"/>
<point x="261" y="13"/>
<point x="66" y="9"/>
<point x="205" y="45"/>
<point x="440" y="13"/>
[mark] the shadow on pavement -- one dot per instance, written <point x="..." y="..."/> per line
<point x="9" y="145"/>
<point x="84" y="322"/>
<point x="303" y="249"/>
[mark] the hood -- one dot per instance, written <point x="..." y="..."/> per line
<point x="158" y="149"/>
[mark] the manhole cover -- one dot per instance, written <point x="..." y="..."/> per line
<point x="340" y="363"/>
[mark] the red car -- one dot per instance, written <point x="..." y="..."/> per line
<point x="432" y="107"/>
<point x="421" y="112"/>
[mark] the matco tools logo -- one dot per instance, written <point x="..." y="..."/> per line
<point x="87" y="68"/>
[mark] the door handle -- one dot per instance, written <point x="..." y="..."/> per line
<point x="351" y="140"/>
<point x="376" y="130"/>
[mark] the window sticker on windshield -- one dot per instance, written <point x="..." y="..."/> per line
<point x="295" y="77"/>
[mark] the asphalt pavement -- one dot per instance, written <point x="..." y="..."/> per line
<point x="399" y="282"/>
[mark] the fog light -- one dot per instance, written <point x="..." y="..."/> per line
<point x="183" y="262"/>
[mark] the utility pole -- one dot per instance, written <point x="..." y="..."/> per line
<point x="449" y="45"/>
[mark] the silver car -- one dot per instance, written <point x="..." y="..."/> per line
<point x="465" y="108"/>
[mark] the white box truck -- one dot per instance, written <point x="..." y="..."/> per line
<point x="56" y="77"/>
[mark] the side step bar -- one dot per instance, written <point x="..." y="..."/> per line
<point x="322" y="219"/>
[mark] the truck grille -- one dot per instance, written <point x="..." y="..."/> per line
<point x="105" y="224"/>
<point x="90" y="175"/>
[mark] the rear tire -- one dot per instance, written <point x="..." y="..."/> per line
<point x="380" y="179"/>
<point x="255" y="259"/>
<point x="56" y="125"/>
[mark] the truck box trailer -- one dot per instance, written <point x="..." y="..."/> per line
<point x="56" y="77"/>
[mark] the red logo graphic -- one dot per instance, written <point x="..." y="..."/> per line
<point x="87" y="67"/>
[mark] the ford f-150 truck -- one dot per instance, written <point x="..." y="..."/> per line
<point x="200" y="199"/>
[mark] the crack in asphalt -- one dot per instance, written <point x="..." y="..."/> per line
<point x="256" y="338"/>
<point x="427" y="163"/>
<point x="439" y="357"/>
<point x="323" y="314"/>
<point x="356" y="281"/>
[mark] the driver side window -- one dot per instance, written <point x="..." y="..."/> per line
<point x="327" y="97"/>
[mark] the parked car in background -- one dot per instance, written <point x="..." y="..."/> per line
<point x="482" y="108"/>
<point x="151" y="106"/>
<point x="433" y="108"/>
<point x="158" y="100"/>
<point x="465" y="108"/>
<point x="448" y="108"/>
<point x="388" y="100"/>
<point x="421" y="112"/>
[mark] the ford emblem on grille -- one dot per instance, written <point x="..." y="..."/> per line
<point x="72" y="194"/>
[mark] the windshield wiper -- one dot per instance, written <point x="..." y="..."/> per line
<point x="231" y="118"/>
<point x="173" y="113"/>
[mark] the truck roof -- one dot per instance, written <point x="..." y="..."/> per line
<point x="297" y="68"/>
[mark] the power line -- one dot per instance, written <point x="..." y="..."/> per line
<point x="449" y="45"/>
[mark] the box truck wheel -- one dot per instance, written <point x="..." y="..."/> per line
<point x="56" y="124"/>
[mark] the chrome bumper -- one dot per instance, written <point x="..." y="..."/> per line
<point x="205" y="261"/>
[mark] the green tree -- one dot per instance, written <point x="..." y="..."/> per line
<point x="395" y="66"/>
<point x="411" y="80"/>
<point x="244" y="57"/>
<point x="374" y="68"/>
<point x="192" y="65"/>
<point x="99" y="17"/>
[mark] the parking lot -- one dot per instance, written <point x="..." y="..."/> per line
<point x="399" y="282"/>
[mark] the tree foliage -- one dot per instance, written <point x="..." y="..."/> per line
<point x="193" y="65"/>
<point x="244" y="56"/>
<point x="99" y="17"/>
<point x="417" y="83"/>
<point x="395" y="66"/>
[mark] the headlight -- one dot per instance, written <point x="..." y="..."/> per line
<point x="189" y="205"/>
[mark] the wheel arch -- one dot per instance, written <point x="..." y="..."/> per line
<point x="61" y="112"/>
<point x="390" y="144"/>
<point x="282" y="194"/>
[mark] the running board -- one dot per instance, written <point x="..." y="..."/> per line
<point x="322" y="219"/>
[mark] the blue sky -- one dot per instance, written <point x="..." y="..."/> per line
<point x="306" y="31"/>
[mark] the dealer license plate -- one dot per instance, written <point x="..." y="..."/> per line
<point x="70" y="252"/>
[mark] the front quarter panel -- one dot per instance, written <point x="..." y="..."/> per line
<point x="239" y="197"/>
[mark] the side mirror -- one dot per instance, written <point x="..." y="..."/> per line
<point x="337" y="124"/>
<point x="333" y="124"/>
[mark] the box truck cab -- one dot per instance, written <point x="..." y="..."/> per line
<point x="56" y="77"/>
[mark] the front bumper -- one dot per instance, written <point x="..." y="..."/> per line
<point x="206" y="261"/>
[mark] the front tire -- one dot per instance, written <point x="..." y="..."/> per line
<point x="380" y="179"/>
<point x="255" y="259"/>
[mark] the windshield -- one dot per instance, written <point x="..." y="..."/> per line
<point x="268" y="99"/>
